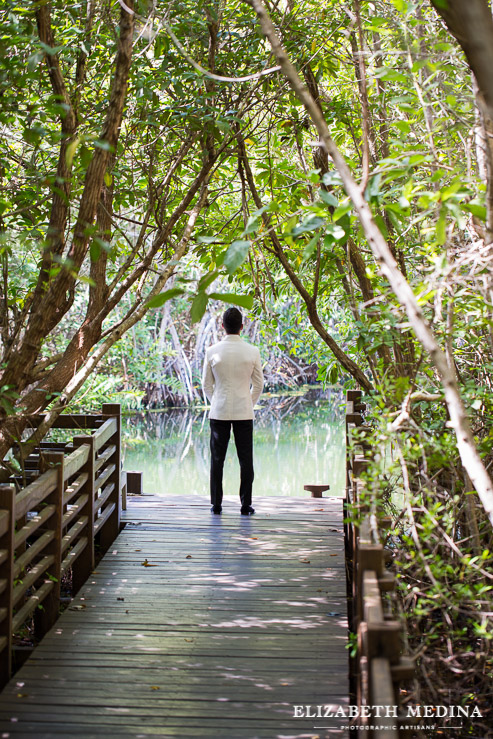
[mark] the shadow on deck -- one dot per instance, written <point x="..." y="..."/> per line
<point x="195" y="625"/>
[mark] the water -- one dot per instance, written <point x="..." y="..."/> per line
<point x="297" y="440"/>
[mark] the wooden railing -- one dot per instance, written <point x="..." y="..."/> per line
<point x="50" y="526"/>
<point x="378" y="665"/>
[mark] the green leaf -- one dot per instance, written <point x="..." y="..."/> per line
<point x="104" y="145"/>
<point x="95" y="251"/>
<point x="333" y="375"/>
<point x="50" y="50"/>
<point x="245" y="301"/>
<point x="207" y="279"/>
<point x="199" y="304"/>
<point x="208" y="239"/>
<point x="341" y="211"/>
<point x="332" y="178"/>
<point x="373" y="187"/>
<point x="158" y="300"/>
<point x="477" y="210"/>
<point x="236" y="255"/>
<point x="311" y="246"/>
<point x="328" y="198"/>
<point x="34" y="60"/>
<point x="441" y="227"/>
<point x="309" y="224"/>
<point x="252" y="224"/>
<point x="336" y="231"/>
<point x="71" y="149"/>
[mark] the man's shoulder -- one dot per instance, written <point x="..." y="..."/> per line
<point x="253" y="347"/>
<point x="240" y="346"/>
<point x="250" y="347"/>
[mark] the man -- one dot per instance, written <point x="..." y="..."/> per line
<point x="232" y="381"/>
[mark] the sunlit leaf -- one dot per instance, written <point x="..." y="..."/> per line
<point x="244" y="301"/>
<point x="236" y="254"/>
<point x="199" y="304"/>
<point x="158" y="300"/>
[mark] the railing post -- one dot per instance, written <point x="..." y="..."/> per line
<point x="84" y="564"/>
<point x="7" y="503"/>
<point x="46" y="617"/>
<point x="111" y="529"/>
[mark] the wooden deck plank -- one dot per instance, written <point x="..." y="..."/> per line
<point x="237" y="620"/>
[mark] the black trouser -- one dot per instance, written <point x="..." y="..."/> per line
<point x="243" y="433"/>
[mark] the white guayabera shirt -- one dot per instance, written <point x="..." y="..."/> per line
<point x="232" y="379"/>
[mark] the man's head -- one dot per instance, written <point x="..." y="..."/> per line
<point x="232" y="321"/>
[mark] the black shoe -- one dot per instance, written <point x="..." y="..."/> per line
<point x="216" y="509"/>
<point x="247" y="511"/>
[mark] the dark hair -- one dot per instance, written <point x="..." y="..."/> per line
<point x="232" y="321"/>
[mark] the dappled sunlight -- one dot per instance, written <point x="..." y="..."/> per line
<point x="265" y="623"/>
<point x="245" y="619"/>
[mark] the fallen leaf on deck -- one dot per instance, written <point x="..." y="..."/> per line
<point x="189" y="640"/>
<point x="145" y="563"/>
<point x="254" y="537"/>
<point x="333" y="555"/>
<point x="189" y="556"/>
<point x="155" y="687"/>
<point x="307" y="561"/>
<point x="120" y="598"/>
<point x="22" y="695"/>
<point x="77" y="608"/>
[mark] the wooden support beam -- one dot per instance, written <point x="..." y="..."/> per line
<point x="353" y="394"/>
<point x="383" y="639"/>
<point x="111" y="527"/>
<point x="134" y="482"/>
<point x="46" y="617"/>
<point x="124" y="490"/>
<point x="382" y="694"/>
<point x="7" y="504"/>
<point x="84" y="563"/>
<point x="405" y="669"/>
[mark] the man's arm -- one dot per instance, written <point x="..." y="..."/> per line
<point x="207" y="379"/>
<point x="257" y="379"/>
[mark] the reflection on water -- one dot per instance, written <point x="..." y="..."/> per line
<point x="297" y="440"/>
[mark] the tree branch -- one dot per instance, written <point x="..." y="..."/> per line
<point x="88" y="367"/>
<point x="389" y="268"/>
<point x="310" y="301"/>
<point x="46" y="314"/>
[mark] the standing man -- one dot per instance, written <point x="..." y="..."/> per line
<point x="232" y="381"/>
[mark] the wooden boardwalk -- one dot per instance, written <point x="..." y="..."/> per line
<point x="195" y="625"/>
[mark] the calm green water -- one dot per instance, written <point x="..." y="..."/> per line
<point x="297" y="440"/>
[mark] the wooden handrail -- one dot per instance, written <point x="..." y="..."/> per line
<point x="107" y="430"/>
<point x="378" y="666"/>
<point x="4" y="522"/>
<point x="75" y="461"/>
<point x="35" y="493"/>
<point x="51" y="524"/>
